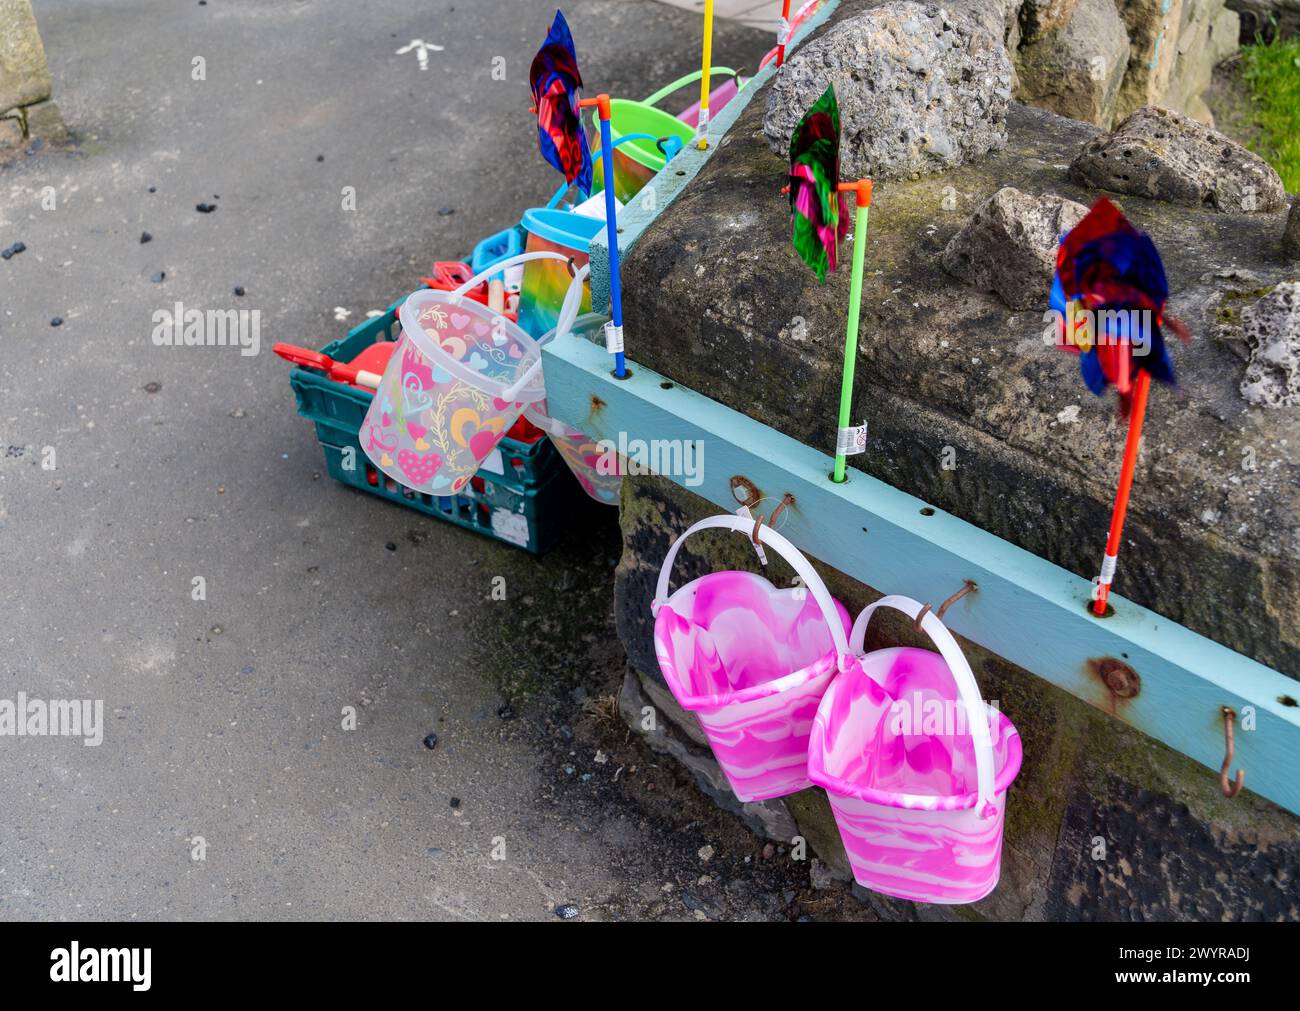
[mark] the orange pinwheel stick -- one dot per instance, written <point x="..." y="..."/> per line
<point x="1141" y="387"/>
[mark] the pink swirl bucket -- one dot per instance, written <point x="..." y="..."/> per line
<point x="752" y="662"/>
<point x="918" y="786"/>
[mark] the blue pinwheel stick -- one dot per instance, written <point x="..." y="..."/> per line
<point x="613" y="334"/>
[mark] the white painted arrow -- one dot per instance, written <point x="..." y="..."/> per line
<point x="422" y="50"/>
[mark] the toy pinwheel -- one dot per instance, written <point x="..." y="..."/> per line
<point x="555" y="82"/>
<point x="819" y="210"/>
<point x="1109" y="296"/>
<point x="820" y="219"/>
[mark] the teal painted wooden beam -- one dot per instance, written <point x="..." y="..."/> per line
<point x="668" y="184"/>
<point x="1028" y="610"/>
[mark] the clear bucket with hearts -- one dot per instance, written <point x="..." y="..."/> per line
<point x="597" y="468"/>
<point x="460" y="376"/>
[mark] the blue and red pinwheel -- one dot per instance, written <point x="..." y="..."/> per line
<point x="555" y="83"/>
<point x="1108" y="267"/>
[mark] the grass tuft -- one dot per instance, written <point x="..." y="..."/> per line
<point x="1272" y="69"/>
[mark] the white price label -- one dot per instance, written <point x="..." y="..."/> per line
<point x="851" y="440"/>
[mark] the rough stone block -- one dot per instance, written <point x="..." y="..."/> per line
<point x="1291" y="235"/>
<point x="1206" y="37"/>
<point x="1272" y="329"/>
<point x="1076" y="70"/>
<point x="1039" y="17"/>
<point x="919" y="90"/>
<point x="1168" y="156"/>
<point x="1153" y="27"/>
<point x="1009" y="245"/>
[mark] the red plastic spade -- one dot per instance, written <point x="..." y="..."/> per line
<point x="364" y="371"/>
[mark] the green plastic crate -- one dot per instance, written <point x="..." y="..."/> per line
<point x="338" y="409"/>
<point x="523" y="495"/>
<point x="533" y="518"/>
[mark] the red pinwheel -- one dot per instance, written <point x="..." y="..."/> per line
<point x="555" y="83"/>
<point x="1109" y="295"/>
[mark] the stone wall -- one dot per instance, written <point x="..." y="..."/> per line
<point x="1103" y="823"/>
<point x="1099" y="60"/>
<point x="1267" y="18"/>
<point x="25" y="86"/>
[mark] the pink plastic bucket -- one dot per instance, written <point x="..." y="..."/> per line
<point x="919" y="790"/>
<point x="751" y="661"/>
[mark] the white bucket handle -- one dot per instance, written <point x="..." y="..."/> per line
<point x="569" y="307"/>
<point x="500" y="266"/>
<point x="568" y="315"/>
<point x="973" y="702"/>
<point x="786" y="550"/>
<point x="511" y="391"/>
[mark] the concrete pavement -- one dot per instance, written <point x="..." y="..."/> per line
<point x="224" y="716"/>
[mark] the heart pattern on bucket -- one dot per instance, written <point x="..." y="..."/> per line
<point x="414" y="396"/>
<point x="420" y="468"/>
<point x="439" y="412"/>
<point x="479" y="436"/>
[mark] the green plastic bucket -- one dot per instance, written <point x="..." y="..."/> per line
<point x="627" y="116"/>
<point x="638" y="161"/>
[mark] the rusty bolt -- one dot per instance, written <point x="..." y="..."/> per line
<point x="1120" y="679"/>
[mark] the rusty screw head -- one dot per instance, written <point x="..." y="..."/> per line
<point x="1119" y="678"/>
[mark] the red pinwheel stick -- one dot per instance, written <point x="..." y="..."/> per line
<point x="1131" y="444"/>
<point x="600" y="103"/>
<point x="785" y="28"/>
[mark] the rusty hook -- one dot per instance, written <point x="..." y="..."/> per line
<point x="968" y="586"/>
<point x="1229" y="789"/>
<point x="757" y="523"/>
<point x="786" y="500"/>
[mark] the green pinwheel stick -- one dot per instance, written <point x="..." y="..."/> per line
<point x="862" y="198"/>
<point x="819" y="219"/>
